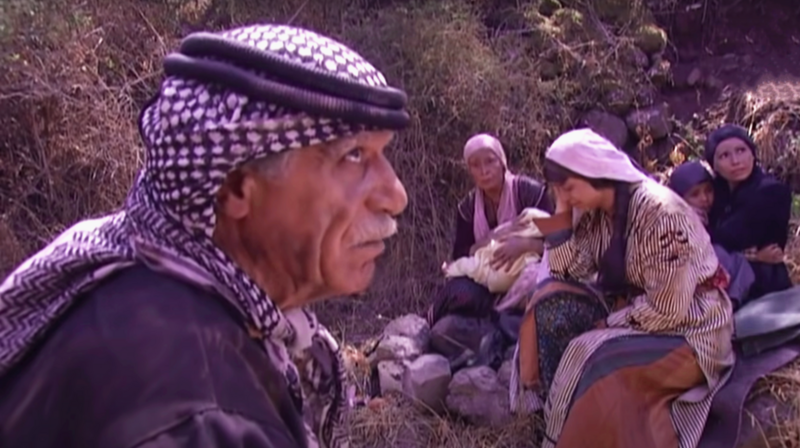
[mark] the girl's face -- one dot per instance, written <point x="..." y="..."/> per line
<point x="701" y="196"/>
<point x="734" y="160"/>
<point x="486" y="169"/>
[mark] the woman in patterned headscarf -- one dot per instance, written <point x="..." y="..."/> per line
<point x="180" y="321"/>
<point x="618" y="382"/>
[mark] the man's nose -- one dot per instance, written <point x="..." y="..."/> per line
<point x="389" y="195"/>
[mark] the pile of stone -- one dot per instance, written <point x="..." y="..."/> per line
<point x="405" y="361"/>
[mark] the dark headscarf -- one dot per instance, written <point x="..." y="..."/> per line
<point x="687" y="175"/>
<point x="723" y="133"/>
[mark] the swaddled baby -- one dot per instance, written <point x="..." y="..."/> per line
<point x="478" y="266"/>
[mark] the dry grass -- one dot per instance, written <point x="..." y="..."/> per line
<point x="793" y="249"/>
<point x="68" y="148"/>
<point x="393" y="421"/>
<point x="783" y="386"/>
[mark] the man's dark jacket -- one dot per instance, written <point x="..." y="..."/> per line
<point x="147" y="361"/>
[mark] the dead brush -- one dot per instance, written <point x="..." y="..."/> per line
<point x="793" y="248"/>
<point x="69" y="147"/>
<point x="394" y="421"/>
<point x="784" y="387"/>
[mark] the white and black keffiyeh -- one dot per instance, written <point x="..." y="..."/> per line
<point x="195" y="133"/>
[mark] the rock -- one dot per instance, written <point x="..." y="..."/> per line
<point x="504" y="373"/>
<point x="377" y="404"/>
<point x="694" y="77"/>
<point x="396" y="348"/>
<point x="636" y="57"/>
<point x="656" y="120"/>
<point x="685" y="76"/>
<point x="661" y="149"/>
<point x="619" y="100"/>
<point x="573" y="25"/>
<point x="549" y="70"/>
<point x="549" y="7"/>
<point x="686" y="20"/>
<point x="426" y="380"/>
<point x="507" y="18"/>
<point x="534" y="18"/>
<point x="646" y="96"/>
<point x="411" y="326"/>
<point x="452" y="334"/>
<point x="730" y="65"/>
<point x="764" y="422"/>
<point x="477" y="395"/>
<point x="613" y="11"/>
<point x="390" y="376"/>
<point x="609" y="126"/>
<point x="660" y="73"/>
<point x="656" y="58"/>
<point x="713" y="83"/>
<point x="650" y="38"/>
<point x="509" y="324"/>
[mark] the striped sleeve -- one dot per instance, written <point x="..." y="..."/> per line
<point x="568" y="255"/>
<point x="669" y="279"/>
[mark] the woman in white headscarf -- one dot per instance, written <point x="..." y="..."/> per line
<point x="498" y="197"/>
<point x="664" y="322"/>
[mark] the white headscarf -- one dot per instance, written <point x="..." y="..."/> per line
<point x="589" y="154"/>
<point x="507" y="208"/>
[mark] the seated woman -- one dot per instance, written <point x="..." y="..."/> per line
<point x="751" y="209"/>
<point x="694" y="183"/>
<point x="498" y="197"/>
<point x="614" y="371"/>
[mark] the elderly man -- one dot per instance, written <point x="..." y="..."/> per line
<point x="179" y="321"/>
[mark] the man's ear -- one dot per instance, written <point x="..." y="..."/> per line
<point x="235" y="197"/>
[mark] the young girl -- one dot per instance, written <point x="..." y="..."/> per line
<point x="694" y="183"/>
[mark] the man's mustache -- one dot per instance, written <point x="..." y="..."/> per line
<point x="376" y="229"/>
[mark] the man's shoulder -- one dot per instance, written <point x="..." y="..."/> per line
<point x="143" y="351"/>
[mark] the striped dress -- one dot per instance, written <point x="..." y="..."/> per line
<point x="669" y="254"/>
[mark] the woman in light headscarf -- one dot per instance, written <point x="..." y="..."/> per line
<point x="663" y="322"/>
<point x="752" y="209"/>
<point x="498" y="197"/>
